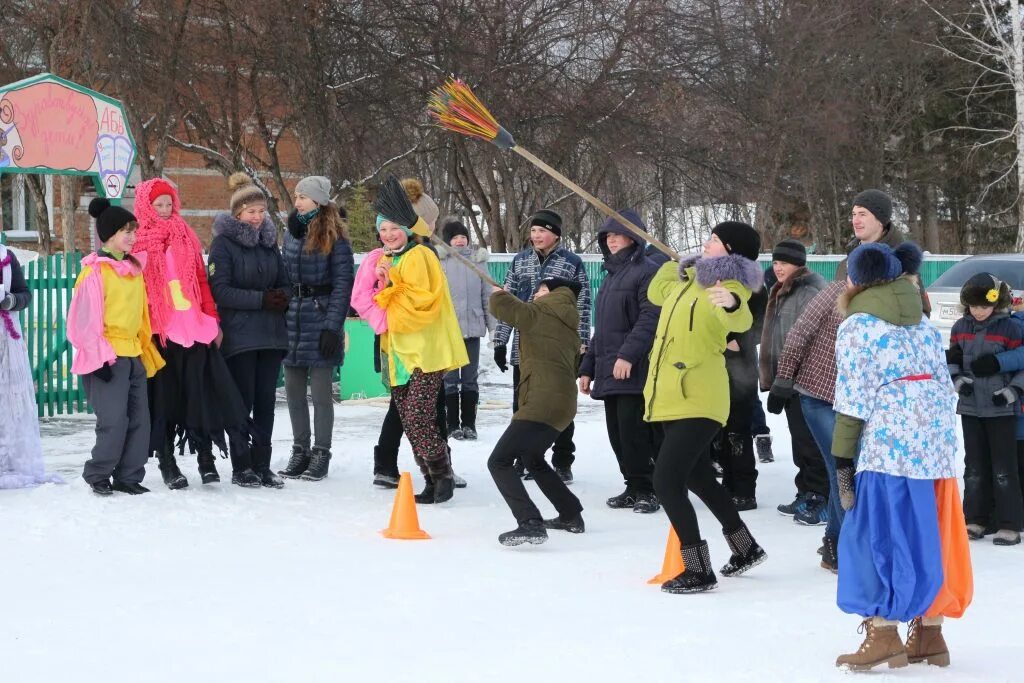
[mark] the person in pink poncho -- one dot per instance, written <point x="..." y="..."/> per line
<point x="194" y="398"/>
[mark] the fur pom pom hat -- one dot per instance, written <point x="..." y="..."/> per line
<point x="422" y="204"/>
<point x="875" y="263"/>
<point x="109" y="218"/>
<point x="985" y="289"/>
<point x="244" y="193"/>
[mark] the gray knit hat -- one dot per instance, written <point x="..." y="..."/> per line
<point x="317" y="188"/>
<point x="877" y="202"/>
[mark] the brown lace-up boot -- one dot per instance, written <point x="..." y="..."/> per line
<point x="925" y="642"/>
<point x="882" y="645"/>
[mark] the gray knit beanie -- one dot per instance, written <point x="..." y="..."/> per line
<point x="317" y="188"/>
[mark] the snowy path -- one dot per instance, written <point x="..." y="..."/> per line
<point x="223" y="584"/>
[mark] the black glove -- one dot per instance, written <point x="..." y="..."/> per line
<point x="330" y="343"/>
<point x="501" y="357"/>
<point x="1005" y="396"/>
<point x="776" y="404"/>
<point x="985" y="366"/>
<point x="103" y="373"/>
<point x="844" y="479"/>
<point x="964" y="386"/>
<point x="275" y="300"/>
<point x="954" y="356"/>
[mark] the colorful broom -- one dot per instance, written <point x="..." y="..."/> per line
<point x="455" y="108"/>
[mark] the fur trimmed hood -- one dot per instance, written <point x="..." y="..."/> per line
<point x="243" y="233"/>
<point x="474" y="254"/>
<point x="710" y="270"/>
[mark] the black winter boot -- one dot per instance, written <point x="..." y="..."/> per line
<point x="830" y="554"/>
<point x="172" y="476"/>
<point x="297" y="463"/>
<point x="242" y="473"/>
<point x="573" y="524"/>
<point x="261" y="456"/>
<point x="246" y="478"/>
<point x="646" y="503"/>
<point x="444" y="489"/>
<point x="208" y="468"/>
<point x="451" y="411"/>
<point x="470" y="399"/>
<point x="426" y="496"/>
<point x="319" y="463"/>
<point x="746" y="553"/>
<point x="698" y="575"/>
<point x="385" y="470"/>
<point x="623" y="501"/>
<point x="531" y="531"/>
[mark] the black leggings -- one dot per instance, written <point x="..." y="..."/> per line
<point x="684" y="464"/>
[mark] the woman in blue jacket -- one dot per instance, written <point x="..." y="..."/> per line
<point x="318" y="256"/>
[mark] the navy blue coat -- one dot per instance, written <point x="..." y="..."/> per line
<point x="244" y="263"/>
<point x="308" y="316"/>
<point x="626" y="319"/>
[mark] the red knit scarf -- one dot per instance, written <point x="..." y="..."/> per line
<point x="155" y="236"/>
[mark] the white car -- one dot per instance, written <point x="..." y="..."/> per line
<point x="944" y="293"/>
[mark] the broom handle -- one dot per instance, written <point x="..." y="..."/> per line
<point x="597" y="203"/>
<point x="465" y="261"/>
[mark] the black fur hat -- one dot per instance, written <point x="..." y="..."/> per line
<point x="985" y="289"/>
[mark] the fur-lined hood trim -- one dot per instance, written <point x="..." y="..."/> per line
<point x="710" y="270"/>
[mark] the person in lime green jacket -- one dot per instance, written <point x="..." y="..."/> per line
<point x="703" y="299"/>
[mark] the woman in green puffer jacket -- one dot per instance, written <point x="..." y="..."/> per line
<point x="702" y="299"/>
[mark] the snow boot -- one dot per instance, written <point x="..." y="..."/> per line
<point x="531" y="531"/>
<point x="830" y="554"/>
<point x="246" y="478"/>
<point x="131" y="489"/>
<point x="208" y="468"/>
<point x="975" y="532"/>
<point x="746" y="553"/>
<point x="385" y="481"/>
<point x="470" y="399"/>
<point x="297" y="463"/>
<point x="574" y="524"/>
<point x="261" y="456"/>
<point x="385" y="469"/>
<point x="451" y="410"/>
<point x="646" y="503"/>
<point x="1006" y="537"/>
<point x="626" y="499"/>
<point x="743" y="504"/>
<point x="882" y="645"/>
<point x="459" y="482"/>
<point x="698" y="575"/>
<point x="172" y="476"/>
<point x="564" y="473"/>
<point x="437" y="491"/>
<point x="319" y="463"/>
<point x="102" y="488"/>
<point x="925" y="642"/>
<point x="763" y="444"/>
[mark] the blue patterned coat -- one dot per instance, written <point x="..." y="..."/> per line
<point x="525" y="275"/>
<point x="909" y="425"/>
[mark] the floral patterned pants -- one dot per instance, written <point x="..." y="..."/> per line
<point x="417" y="406"/>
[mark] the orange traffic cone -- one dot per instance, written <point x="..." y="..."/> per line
<point x="405" y="523"/>
<point x="673" y="565"/>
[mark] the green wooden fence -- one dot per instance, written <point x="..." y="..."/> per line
<point x="51" y="281"/>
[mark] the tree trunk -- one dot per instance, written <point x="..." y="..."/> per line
<point x="1017" y="62"/>
<point x="68" y="204"/>
<point x="34" y="183"/>
<point x="930" y="219"/>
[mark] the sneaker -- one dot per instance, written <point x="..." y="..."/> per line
<point x="623" y="501"/>
<point x="814" y="513"/>
<point x="385" y="481"/>
<point x="646" y="503"/>
<point x="744" y="504"/>
<point x="564" y="473"/>
<point x="1003" y="537"/>
<point x="792" y="508"/>
<point x="763" y="444"/>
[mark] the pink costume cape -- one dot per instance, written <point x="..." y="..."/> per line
<point x="366" y="286"/>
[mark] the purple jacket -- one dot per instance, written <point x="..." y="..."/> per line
<point x="626" y="319"/>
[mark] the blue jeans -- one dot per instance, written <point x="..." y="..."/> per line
<point x="821" y="420"/>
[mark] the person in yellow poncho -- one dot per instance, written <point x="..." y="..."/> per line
<point x="421" y="343"/>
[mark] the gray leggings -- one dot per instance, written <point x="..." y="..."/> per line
<point x="322" y="384"/>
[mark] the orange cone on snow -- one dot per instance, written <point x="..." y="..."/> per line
<point x="405" y="523"/>
<point x="673" y="565"/>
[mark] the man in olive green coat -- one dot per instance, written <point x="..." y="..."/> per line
<point x="549" y="355"/>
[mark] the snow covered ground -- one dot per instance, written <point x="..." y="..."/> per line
<point x="219" y="583"/>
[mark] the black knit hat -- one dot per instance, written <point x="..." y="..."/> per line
<point x="739" y="238"/>
<point x="453" y="229"/>
<point x="877" y="202"/>
<point x="549" y="219"/>
<point x="109" y="218"/>
<point x="553" y="283"/>
<point x="985" y="289"/>
<point x="790" y="251"/>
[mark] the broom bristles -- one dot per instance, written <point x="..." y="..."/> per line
<point x="393" y="203"/>
<point x="455" y="108"/>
